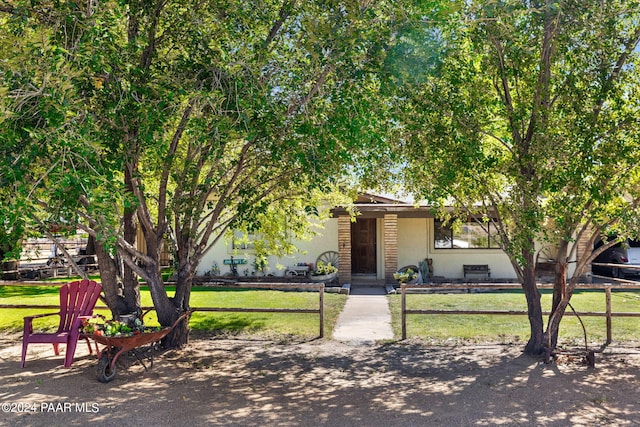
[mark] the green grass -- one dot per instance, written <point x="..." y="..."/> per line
<point x="430" y="327"/>
<point x="511" y="328"/>
<point x="264" y="324"/>
<point x="267" y="324"/>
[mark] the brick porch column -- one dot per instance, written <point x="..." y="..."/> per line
<point x="390" y="246"/>
<point x="344" y="249"/>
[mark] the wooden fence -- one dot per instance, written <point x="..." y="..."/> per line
<point x="319" y="287"/>
<point x="608" y="314"/>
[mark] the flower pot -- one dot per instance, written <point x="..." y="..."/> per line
<point x="323" y="277"/>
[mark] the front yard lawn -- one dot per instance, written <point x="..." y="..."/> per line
<point x="512" y="328"/>
<point x="265" y="324"/>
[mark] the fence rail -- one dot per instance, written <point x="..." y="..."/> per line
<point x="319" y="287"/>
<point x="608" y="314"/>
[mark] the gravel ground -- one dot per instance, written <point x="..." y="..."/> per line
<point x="221" y="381"/>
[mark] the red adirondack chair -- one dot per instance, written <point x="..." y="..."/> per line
<point x="77" y="299"/>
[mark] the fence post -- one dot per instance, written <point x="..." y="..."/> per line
<point x="321" y="291"/>
<point x="607" y="292"/>
<point x="403" y="299"/>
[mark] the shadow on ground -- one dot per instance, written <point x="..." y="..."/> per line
<point x="249" y="382"/>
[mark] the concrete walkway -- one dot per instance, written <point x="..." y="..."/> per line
<point x="365" y="318"/>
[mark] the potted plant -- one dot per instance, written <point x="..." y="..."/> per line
<point x="125" y="327"/>
<point x="406" y="275"/>
<point x="324" y="272"/>
<point x="260" y="265"/>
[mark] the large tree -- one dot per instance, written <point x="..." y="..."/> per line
<point x="184" y="120"/>
<point x="525" y="115"/>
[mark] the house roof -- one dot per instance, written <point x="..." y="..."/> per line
<point x="366" y="198"/>
<point x="375" y="206"/>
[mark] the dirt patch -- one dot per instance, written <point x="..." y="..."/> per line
<point x="217" y="381"/>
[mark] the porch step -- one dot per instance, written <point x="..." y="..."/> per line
<point x="366" y="279"/>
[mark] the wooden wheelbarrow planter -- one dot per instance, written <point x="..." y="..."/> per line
<point x="115" y="346"/>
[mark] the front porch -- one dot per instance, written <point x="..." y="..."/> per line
<point x="369" y="249"/>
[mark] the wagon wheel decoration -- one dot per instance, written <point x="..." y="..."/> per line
<point x="328" y="257"/>
<point x="545" y="255"/>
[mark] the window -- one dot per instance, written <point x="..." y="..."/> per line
<point x="242" y="241"/>
<point x="471" y="235"/>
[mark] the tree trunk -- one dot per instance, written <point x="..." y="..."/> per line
<point x="167" y="309"/>
<point x="109" y="278"/>
<point x="535" y="345"/>
<point x="179" y="336"/>
<point x="184" y="281"/>
<point x="560" y="274"/>
<point x="185" y="273"/>
<point x="553" y="328"/>
<point x="559" y="295"/>
<point x="129" y="278"/>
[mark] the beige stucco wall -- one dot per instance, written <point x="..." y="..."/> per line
<point x="412" y="240"/>
<point x="448" y="262"/>
<point x="308" y="251"/>
<point x="415" y="243"/>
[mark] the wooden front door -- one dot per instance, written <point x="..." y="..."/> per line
<point x="363" y="246"/>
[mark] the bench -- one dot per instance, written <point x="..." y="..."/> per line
<point x="482" y="269"/>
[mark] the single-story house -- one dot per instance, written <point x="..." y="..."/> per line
<point x="386" y="235"/>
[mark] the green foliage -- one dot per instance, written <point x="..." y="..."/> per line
<point x="198" y="116"/>
<point x="100" y="325"/>
<point x="525" y="114"/>
<point x="322" y="269"/>
<point x="528" y="111"/>
<point x="11" y="233"/>
<point x="405" y="276"/>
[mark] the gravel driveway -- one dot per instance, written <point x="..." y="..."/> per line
<point x="221" y="381"/>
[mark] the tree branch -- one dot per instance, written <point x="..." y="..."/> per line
<point x="7" y="8"/>
<point x="631" y="45"/>
<point x="285" y="12"/>
<point x="149" y="50"/>
<point x="504" y="89"/>
<point x="541" y="97"/>
<point x="168" y="163"/>
<point x="295" y="107"/>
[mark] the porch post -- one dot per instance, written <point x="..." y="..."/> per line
<point x="390" y="246"/>
<point x="344" y="249"/>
